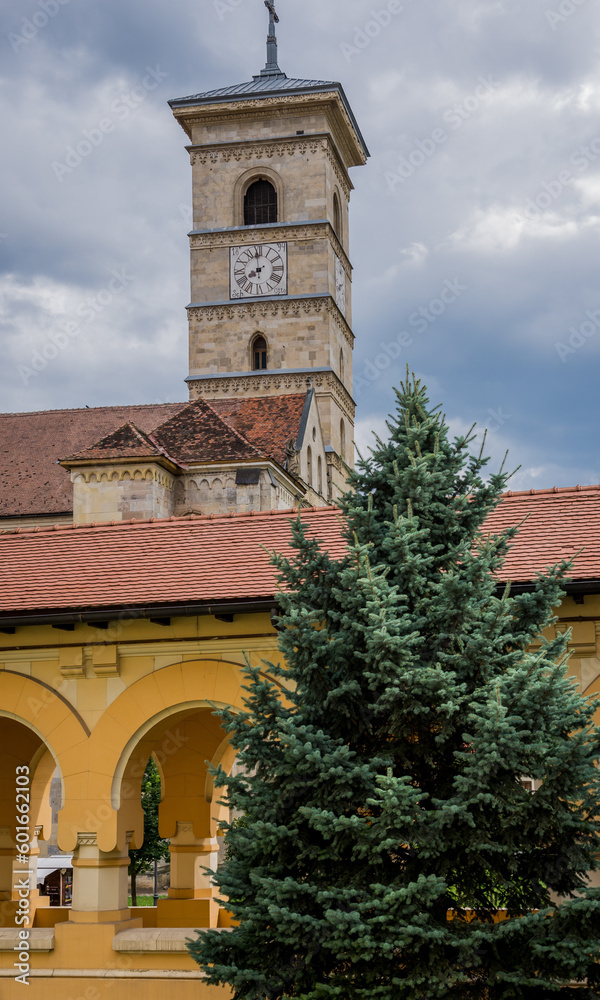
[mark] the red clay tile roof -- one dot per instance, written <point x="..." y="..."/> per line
<point x="559" y="523"/>
<point x="127" y="441"/>
<point x="270" y="423"/>
<point x="216" y="559"/>
<point x="198" y="434"/>
<point x="31" y="444"/>
<point x="198" y="559"/>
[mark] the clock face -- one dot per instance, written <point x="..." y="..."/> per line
<point x="259" y="269"/>
<point x="340" y="285"/>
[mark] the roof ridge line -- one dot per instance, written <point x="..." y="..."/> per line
<point x="41" y="529"/>
<point x="87" y="409"/>
<point x="548" y="491"/>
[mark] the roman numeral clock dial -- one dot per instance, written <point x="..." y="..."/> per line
<point x="259" y="269"/>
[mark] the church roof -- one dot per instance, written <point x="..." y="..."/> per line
<point x="198" y="434"/>
<point x="258" y="85"/>
<point x="210" y="560"/>
<point x="31" y="444"/>
<point x="31" y="481"/>
<point x="126" y="442"/>
<point x="270" y="423"/>
<point x="189" y="559"/>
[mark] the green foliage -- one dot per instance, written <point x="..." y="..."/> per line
<point x="153" y="849"/>
<point x="385" y="819"/>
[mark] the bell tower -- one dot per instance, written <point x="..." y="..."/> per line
<point x="270" y="272"/>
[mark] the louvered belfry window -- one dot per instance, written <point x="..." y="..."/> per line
<point x="260" y="204"/>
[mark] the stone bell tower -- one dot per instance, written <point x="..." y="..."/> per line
<point x="270" y="273"/>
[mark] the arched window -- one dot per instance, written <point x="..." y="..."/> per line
<point x="343" y="439"/>
<point x="260" y="204"/>
<point x="259" y="354"/>
<point x="342" y="367"/>
<point x="320" y="474"/>
<point x="309" y="467"/>
<point x="337" y="215"/>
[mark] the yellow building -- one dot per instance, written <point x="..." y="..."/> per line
<point x="129" y="600"/>
<point x="115" y="641"/>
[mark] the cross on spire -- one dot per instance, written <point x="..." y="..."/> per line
<point x="274" y="15"/>
<point x="272" y="67"/>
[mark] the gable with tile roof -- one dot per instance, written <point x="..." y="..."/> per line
<point x="225" y="457"/>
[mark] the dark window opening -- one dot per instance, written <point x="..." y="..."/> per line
<point x="260" y="204"/>
<point x="259" y="354"/>
<point x="337" y="215"/>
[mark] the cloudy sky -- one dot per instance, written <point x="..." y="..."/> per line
<point x="475" y="225"/>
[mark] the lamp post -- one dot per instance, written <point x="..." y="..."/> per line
<point x="156" y="881"/>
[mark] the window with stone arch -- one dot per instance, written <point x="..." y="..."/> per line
<point x="343" y="439"/>
<point x="309" y="466"/>
<point x="342" y="366"/>
<point x="320" y="474"/>
<point x="259" y="353"/>
<point x="260" y="203"/>
<point x="337" y="215"/>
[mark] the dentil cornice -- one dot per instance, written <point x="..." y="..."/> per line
<point x="288" y="307"/>
<point x="267" y="149"/>
<point x="269" y="107"/>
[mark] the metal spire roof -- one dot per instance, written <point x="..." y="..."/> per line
<point x="271" y="82"/>
<point x="271" y="67"/>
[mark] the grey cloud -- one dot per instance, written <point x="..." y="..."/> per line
<point x="462" y="214"/>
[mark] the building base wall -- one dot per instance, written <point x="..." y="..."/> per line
<point x="61" y="986"/>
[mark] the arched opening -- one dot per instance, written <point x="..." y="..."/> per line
<point x="343" y="440"/>
<point x="27" y="767"/>
<point x="320" y="474"/>
<point x="342" y="366"/>
<point x="309" y="466"/>
<point x="166" y="799"/>
<point x="259" y="353"/>
<point x="144" y="862"/>
<point x="337" y="216"/>
<point x="260" y="204"/>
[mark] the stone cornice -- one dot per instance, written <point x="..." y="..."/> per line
<point x="129" y="464"/>
<point x="309" y="305"/>
<point x="262" y="107"/>
<point x="117" y="470"/>
<point x="267" y="148"/>
<point x="197" y="470"/>
<point x="273" y="382"/>
<point x="287" y="232"/>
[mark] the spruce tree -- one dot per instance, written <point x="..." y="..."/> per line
<point x="389" y="847"/>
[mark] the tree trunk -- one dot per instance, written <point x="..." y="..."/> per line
<point x="133" y="887"/>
